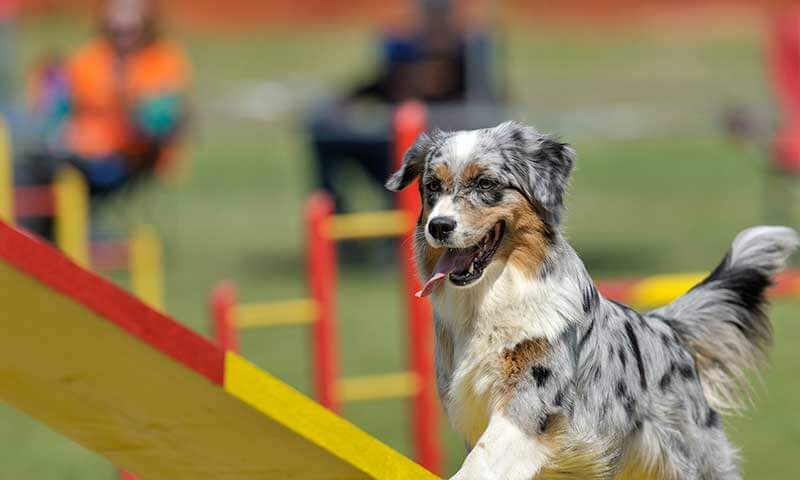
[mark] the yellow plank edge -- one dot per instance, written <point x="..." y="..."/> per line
<point x="316" y="424"/>
<point x="378" y="387"/>
<point x="661" y="289"/>
<point x="273" y="314"/>
<point x="6" y="175"/>
<point x="146" y="266"/>
<point x="72" y="216"/>
<point x="353" y="226"/>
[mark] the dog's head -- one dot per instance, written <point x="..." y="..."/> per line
<point x="492" y="195"/>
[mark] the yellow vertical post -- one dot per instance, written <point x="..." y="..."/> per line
<point x="146" y="268"/>
<point x="6" y="175"/>
<point x="72" y="216"/>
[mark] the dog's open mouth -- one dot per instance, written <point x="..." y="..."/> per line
<point x="464" y="266"/>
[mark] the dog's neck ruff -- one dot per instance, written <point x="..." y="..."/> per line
<point x="525" y="305"/>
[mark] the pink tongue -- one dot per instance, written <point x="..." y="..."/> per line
<point x="449" y="262"/>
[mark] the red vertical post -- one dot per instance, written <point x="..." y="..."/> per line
<point x="321" y="257"/>
<point x="409" y="122"/>
<point x="222" y="304"/>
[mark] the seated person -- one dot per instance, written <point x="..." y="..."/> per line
<point x="429" y="65"/>
<point x="115" y="107"/>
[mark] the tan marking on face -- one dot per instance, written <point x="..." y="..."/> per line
<point x="472" y="171"/>
<point x="525" y="244"/>
<point x="443" y="173"/>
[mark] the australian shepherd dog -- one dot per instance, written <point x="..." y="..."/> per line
<point x="541" y="375"/>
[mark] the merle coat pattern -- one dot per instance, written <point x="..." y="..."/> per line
<point x="541" y="375"/>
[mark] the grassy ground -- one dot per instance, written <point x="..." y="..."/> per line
<point x="657" y="189"/>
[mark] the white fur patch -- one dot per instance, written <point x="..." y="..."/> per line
<point x="504" y="452"/>
<point x="462" y="148"/>
<point x="764" y="246"/>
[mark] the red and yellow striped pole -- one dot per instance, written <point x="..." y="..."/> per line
<point x="322" y="278"/>
<point x="409" y="122"/>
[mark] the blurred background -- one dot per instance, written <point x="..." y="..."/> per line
<point x="214" y="121"/>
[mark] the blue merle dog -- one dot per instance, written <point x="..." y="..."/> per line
<point x="541" y="375"/>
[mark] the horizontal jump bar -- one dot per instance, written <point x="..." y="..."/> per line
<point x="352" y="226"/>
<point x="378" y="387"/>
<point x="272" y="314"/>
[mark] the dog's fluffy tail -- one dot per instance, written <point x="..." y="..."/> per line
<point x="723" y="318"/>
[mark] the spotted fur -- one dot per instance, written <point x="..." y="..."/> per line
<point x="541" y="375"/>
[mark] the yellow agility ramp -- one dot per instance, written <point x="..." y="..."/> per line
<point x="133" y="385"/>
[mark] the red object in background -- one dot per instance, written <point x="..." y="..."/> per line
<point x="8" y="8"/>
<point x="786" y="149"/>
<point x="409" y="122"/>
<point x="223" y="301"/>
<point x="34" y="201"/>
<point x="321" y="258"/>
<point x="784" y="64"/>
<point x="123" y="475"/>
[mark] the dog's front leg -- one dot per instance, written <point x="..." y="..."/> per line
<point x="504" y="452"/>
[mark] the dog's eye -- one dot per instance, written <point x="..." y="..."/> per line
<point x="433" y="185"/>
<point x="486" y="184"/>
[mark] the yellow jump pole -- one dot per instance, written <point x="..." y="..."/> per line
<point x="6" y="175"/>
<point x="147" y="274"/>
<point x="72" y="216"/>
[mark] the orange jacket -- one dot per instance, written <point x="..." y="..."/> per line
<point x="103" y="94"/>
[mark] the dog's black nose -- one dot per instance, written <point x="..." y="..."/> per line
<point x="441" y="227"/>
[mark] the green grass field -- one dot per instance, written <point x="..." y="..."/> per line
<point x="657" y="189"/>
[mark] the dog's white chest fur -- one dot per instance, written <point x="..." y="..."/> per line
<point x="505" y="309"/>
<point x="474" y="380"/>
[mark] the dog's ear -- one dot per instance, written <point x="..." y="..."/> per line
<point x="540" y="164"/>
<point x="413" y="163"/>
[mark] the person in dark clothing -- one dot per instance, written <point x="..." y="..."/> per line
<point x="430" y="65"/>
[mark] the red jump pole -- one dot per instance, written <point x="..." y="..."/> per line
<point x="409" y="122"/>
<point x="321" y="255"/>
<point x="222" y="303"/>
